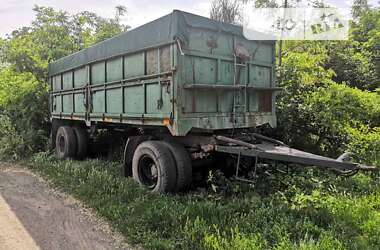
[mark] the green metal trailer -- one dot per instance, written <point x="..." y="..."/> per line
<point x="171" y="85"/>
<point x="180" y="71"/>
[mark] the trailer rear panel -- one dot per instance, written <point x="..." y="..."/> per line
<point x="181" y="71"/>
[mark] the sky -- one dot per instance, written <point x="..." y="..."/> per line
<point x="18" y="13"/>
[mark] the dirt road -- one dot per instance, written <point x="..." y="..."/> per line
<point x="34" y="216"/>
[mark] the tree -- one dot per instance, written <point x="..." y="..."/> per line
<point x="288" y="3"/>
<point x="356" y="61"/>
<point x="353" y="64"/>
<point x="227" y="11"/>
<point x="121" y="10"/>
<point x="55" y="34"/>
<point x="359" y="7"/>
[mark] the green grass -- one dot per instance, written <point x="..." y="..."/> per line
<point x="304" y="210"/>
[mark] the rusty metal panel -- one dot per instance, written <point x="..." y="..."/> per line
<point x="165" y="60"/>
<point x="265" y="101"/>
<point x="203" y="101"/>
<point x="210" y="42"/>
<point x="151" y="62"/>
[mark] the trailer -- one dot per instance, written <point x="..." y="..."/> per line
<point x="180" y="88"/>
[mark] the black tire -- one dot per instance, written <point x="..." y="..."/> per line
<point x="183" y="165"/>
<point x="82" y="142"/>
<point x="153" y="166"/>
<point x="65" y="143"/>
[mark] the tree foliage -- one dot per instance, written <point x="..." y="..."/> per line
<point x="329" y="102"/>
<point x="227" y="11"/>
<point x="25" y="55"/>
<point x="54" y="34"/>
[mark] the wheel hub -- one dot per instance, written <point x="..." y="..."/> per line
<point x="148" y="172"/>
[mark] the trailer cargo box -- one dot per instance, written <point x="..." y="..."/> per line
<point x="180" y="71"/>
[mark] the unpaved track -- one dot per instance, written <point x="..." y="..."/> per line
<point x="34" y="216"/>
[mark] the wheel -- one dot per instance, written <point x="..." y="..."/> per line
<point x="183" y="165"/>
<point x="153" y="166"/>
<point x="65" y="143"/>
<point x="82" y="142"/>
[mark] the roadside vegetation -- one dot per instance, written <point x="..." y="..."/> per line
<point x="306" y="209"/>
<point x="330" y="104"/>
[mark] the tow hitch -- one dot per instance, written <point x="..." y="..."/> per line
<point x="278" y="151"/>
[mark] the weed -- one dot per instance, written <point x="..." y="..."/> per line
<point x="315" y="210"/>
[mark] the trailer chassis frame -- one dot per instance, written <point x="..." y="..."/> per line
<point x="277" y="151"/>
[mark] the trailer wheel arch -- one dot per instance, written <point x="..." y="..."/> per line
<point x="130" y="147"/>
<point x="156" y="156"/>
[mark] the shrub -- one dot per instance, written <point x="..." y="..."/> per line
<point x="329" y="121"/>
<point x="364" y="144"/>
<point x="335" y="114"/>
<point x="11" y="143"/>
<point x="24" y="103"/>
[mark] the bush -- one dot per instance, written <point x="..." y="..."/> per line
<point x="364" y="144"/>
<point x="339" y="107"/>
<point x="332" y="119"/>
<point x="337" y="114"/>
<point x="12" y="144"/>
<point x="301" y="74"/>
<point x="24" y="103"/>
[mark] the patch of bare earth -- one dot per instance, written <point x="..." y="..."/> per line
<point x="35" y="216"/>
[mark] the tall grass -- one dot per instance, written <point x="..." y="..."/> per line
<point x="305" y="210"/>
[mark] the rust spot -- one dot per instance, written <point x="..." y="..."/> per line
<point x="242" y="53"/>
<point x="166" y="121"/>
<point x="265" y="101"/>
<point x="106" y="119"/>
<point x="211" y="43"/>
